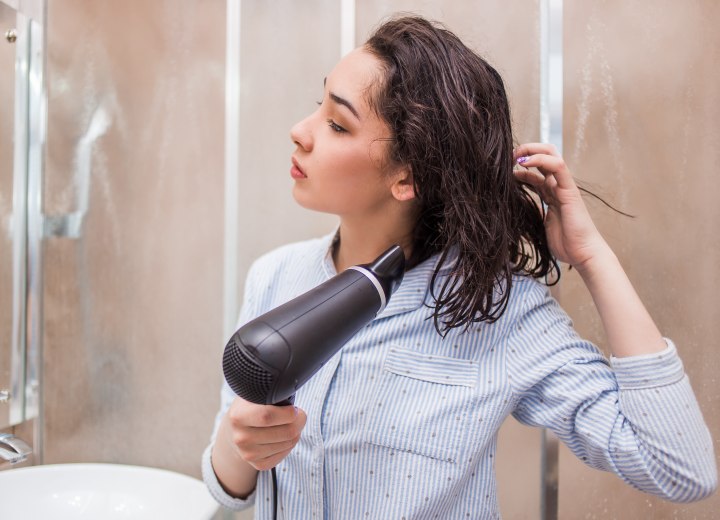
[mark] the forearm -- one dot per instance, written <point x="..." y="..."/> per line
<point x="628" y="326"/>
<point x="236" y="476"/>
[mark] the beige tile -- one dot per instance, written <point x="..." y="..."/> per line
<point x="641" y="128"/>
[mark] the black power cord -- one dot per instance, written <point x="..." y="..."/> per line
<point x="275" y="493"/>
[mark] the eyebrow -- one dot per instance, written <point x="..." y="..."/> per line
<point x="342" y="101"/>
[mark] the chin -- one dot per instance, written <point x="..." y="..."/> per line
<point x="307" y="202"/>
<point x="301" y="199"/>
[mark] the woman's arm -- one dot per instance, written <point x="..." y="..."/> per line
<point x="251" y="438"/>
<point x="574" y="239"/>
<point x="641" y="419"/>
<point x="629" y="328"/>
<point x="637" y="418"/>
<point x="237" y="477"/>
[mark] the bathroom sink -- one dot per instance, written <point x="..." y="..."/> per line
<point x="102" y="491"/>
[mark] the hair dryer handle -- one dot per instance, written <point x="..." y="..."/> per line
<point x="287" y="402"/>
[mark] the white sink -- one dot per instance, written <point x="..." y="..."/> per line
<point x="102" y="491"/>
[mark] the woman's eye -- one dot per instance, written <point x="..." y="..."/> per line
<point x="335" y="127"/>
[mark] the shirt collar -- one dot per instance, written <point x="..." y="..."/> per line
<point x="413" y="291"/>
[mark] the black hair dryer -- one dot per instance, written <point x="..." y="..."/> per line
<point x="270" y="357"/>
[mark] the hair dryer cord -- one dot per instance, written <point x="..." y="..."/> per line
<point x="275" y="493"/>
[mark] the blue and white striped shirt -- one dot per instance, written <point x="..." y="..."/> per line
<point x="402" y="423"/>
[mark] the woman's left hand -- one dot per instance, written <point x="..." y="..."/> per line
<point x="571" y="233"/>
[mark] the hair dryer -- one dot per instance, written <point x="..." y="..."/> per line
<point x="270" y="357"/>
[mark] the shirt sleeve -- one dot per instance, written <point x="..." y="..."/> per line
<point x="637" y="417"/>
<point x="226" y="398"/>
<point x="217" y="491"/>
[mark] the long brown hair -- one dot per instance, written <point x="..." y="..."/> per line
<point x="450" y="120"/>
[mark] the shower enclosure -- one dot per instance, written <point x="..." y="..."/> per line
<point x="144" y="153"/>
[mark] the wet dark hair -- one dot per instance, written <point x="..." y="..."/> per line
<point x="450" y="119"/>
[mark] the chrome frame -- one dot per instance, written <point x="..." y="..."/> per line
<point x="551" y="72"/>
<point x="551" y="131"/>
<point x="28" y="163"/>
<point x="231" y="306"/>
<point x="37" y="110"/>
<point x="19" y="222"/>
<point x="347" y="26"/>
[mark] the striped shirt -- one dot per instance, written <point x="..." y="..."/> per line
<point x="402" y="423"/>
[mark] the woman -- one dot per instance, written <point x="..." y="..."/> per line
<point x="411" y="145"/>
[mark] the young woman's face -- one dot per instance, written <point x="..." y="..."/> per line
<point x="341" y="148"/>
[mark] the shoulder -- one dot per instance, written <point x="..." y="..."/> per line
<point x="287" y="271"/>
<point x="530" y="297"/>
<point x="536" y="319"/>
<point x="530" y="290"/>
<point x="296" y="255"/>
<point x="541" y="335"/>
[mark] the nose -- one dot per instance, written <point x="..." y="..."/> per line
<point x="301" y="134"/>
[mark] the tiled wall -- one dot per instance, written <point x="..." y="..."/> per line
<point x="641" y="127"/>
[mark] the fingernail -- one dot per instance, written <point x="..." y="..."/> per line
<point x="523" y="159"/>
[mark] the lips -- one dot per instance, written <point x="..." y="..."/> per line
<point x="296" y="171"/>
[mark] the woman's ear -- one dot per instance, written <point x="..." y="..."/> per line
<point x="403" y="187"/>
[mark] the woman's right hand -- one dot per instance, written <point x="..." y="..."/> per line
<point x="263" y="435"/>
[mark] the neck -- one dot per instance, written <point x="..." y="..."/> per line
<point x="362" y="242"/>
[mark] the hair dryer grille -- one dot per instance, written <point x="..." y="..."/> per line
<point x="256" y="381"/>
<point x="273" y="355"/>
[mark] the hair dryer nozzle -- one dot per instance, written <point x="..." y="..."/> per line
<point x="389" y="268"/>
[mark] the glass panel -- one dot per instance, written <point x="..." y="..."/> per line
<point x="641" y="127"/>
<point x="133" y="303"/>
<point x="7" y="118"/>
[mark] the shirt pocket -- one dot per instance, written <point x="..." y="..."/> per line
<point x="423" y="404"/>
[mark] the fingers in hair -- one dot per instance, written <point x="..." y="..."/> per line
<point x="534" y="149"/>
<point x="548" y="166"/>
